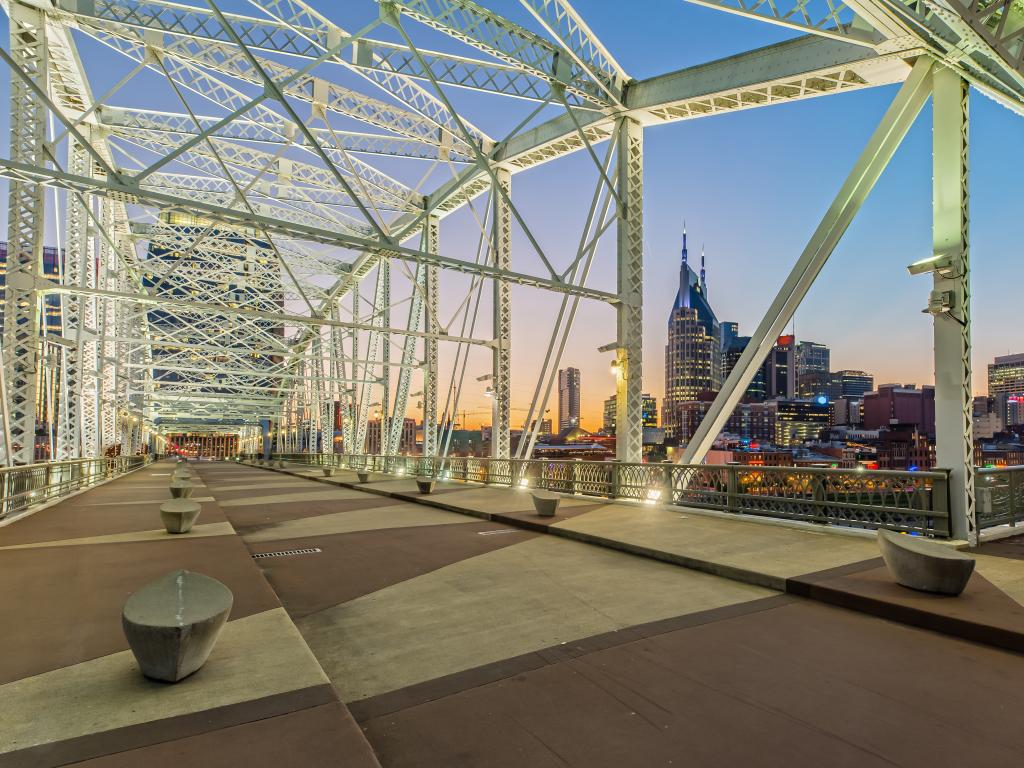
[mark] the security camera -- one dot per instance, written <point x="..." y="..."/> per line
<point x="941" y="264"/>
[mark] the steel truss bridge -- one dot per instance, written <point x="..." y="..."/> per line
<point x="234" y="264"/>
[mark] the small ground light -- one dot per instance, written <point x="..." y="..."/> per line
<point x="653" y="496"/>
<point x="524" y="483"/>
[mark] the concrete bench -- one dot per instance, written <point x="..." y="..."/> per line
<point x="425" y="484"/>
<point x="328" y="471"/>
<point x="545" y="503"/>
<point x="179" y="515"/>
<point x="280" y="464"/>
<point x="172" y="624"/>
<point x="181" y="489"/>
<point x="924" y="565"/>
<point x="364" y="477"/>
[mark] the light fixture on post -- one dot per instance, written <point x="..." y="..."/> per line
<point x="616" y="367"/>
<point x="940" y="263"/>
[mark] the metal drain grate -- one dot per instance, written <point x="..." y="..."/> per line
<point x="287" y="553"/>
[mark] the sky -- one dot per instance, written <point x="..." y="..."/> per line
<point x="751" y="187"/>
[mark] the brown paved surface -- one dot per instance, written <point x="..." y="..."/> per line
<point x="70" y="691"/>
<point x="461" y="641"/>
<point x="1012" y="547"/>
<point x="801" y="684"/>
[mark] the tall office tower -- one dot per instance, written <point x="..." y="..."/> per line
<point x="812" y="369"/>
<point x="731" y="356"/>
<point x="1006" y="375"/>
<point x="568" y="398"/>
<point x="848" y="383"/>
<point x="812" y="356"/>
<point x="649" y="412"/>
<point x="693" y="354"/>
<point x="780" y="369"/>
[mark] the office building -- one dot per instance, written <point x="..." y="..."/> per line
<point x="53" y="266"/>
<point x="847" y="383"/>
<point x="731" y="353"/>
<point x="568" y="398"/>
<point x="812" y="357"/>
<point x="895" y="404"/>
<point x="1006" y="375"/>
<point x="780" y="369"/>
<point x="649" y="410"/>
<point x="693" y="354"/>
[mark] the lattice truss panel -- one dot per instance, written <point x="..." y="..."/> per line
<point x="250" y="200"/>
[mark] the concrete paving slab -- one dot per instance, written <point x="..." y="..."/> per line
<point x="500" y="604"/>
<point x="256" y="656"/>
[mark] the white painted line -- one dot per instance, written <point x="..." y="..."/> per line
<point x="502" y="530"/>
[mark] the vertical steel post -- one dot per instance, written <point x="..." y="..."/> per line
<point x="501" y="248"/>
<point x="954" y="441"/>
<point x="431" y="230"/>
<point x="629" y="310"/>
<point x="25" y="225"/>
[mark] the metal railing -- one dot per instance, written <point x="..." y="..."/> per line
<point x="1000" y="495"/>
<point x="903" y="501"/>
<point x="31" y="484"/>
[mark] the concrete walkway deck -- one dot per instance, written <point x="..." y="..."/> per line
<point x="375" y="624"/>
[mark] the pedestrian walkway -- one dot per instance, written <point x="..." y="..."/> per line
<point x="375" y="626"/>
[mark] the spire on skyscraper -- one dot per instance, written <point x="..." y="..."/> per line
<point x="703" y="279"/>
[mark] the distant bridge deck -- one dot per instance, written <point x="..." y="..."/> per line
<point x="419" y="636"/>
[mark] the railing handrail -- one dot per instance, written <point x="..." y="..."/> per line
<point x="999" y="470"/>
<point x="42" y="464"/>
<point x="932" y="474"/>
<point x="915" y="501"/>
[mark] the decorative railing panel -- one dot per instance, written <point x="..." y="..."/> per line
<point x="1000" y="496"/>
<point x="905" y="501"/>
<point x="25" y="486"/>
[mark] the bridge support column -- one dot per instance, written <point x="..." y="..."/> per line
<point x="629" y="311"/>
<point x="431" y="235"/>
<point x="501" y="234"/>
<point x="950" y="303"/>
<point x="25" y="223"/>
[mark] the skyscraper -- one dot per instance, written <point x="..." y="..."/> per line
<point x="649" y="411"/>
<point x="693" y="354"/>
<point x="731" y="353"/>
<point x="568" y="398"/>
<point x="780" y="369"/>
<point x="813" y="364"/>
<point x="1006" y="375"/>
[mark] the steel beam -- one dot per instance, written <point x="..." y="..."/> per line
<point x="630" y="278"/>
<point x="954" y="396"/>
<point x="501" y="357"/>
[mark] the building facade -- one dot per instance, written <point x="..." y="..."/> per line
<point x="847" y="383"/>
<point x="568" y="398"/>
<point x="649" y="410"/>
<point x="780" y="369"/>
<point x="895" y="404"/>
<point x="1006" y="375"/>
<point x="693" y="354"/>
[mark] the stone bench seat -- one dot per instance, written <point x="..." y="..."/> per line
<point x="364" y="477"/>
<point x="172" y="624"/>
<point x="181" y="489"/>
<point x="425" y="484"/>
<point x="545" y="503"/>
<point x="328" y="471"/>
<point x="924" y="565"/>
<point x="179" y="515"/>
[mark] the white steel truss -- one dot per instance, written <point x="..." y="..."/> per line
<point x="242" y="258"/>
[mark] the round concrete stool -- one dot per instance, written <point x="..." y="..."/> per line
<point x="181" y="489"/>
<point x="179" y="515"/>
<point x="172" y="623"/>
